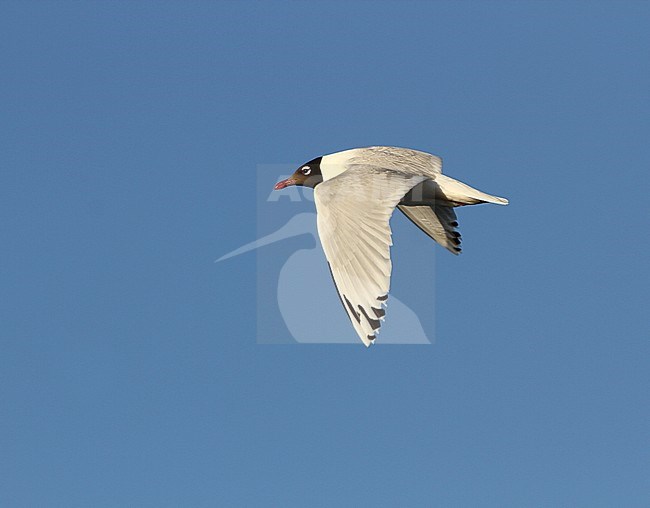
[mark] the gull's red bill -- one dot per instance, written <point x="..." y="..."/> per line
<point x="284" y="183"/>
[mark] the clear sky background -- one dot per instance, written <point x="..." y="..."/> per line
<point x="130" y="136"/>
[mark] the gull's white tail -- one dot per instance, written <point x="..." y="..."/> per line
<point x="459" y="193"/>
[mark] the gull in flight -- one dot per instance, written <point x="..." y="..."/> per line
<point x="355" y="192"/>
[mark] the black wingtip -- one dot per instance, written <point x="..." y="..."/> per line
<point x="374" y="323"/>
<point x="353" y="312"/>
<point x="379" y="312"/>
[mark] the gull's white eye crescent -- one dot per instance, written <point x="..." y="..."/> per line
<point x="305" y="170"/>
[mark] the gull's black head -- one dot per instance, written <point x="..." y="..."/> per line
<point x="307" y="175"/>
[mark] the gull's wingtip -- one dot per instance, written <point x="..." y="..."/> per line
<point x="369" y="340"/>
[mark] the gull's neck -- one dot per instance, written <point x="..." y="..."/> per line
<point x="336" y="163"/>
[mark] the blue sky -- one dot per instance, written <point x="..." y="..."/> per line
<point x="130" y="373"/>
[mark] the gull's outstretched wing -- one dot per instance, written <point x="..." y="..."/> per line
<point x="437" y="221"/>
<point x="354" y="210"/>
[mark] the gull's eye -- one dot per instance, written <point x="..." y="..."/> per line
<point x="305" y="170"/>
